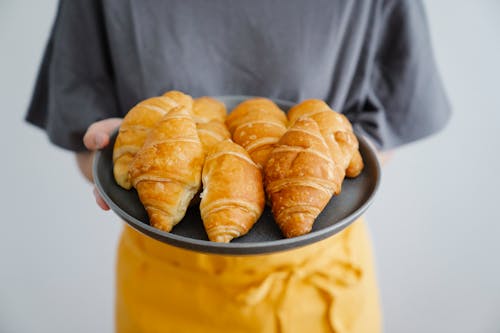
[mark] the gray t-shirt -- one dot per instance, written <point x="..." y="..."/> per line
<point x="369" y="59"/>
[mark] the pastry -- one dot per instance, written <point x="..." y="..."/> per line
<point x="181" y="99"/>
<point x="209" y="115"/>
<point x="211" y="133"/>
<point x="337" y="131"/>
<point x="299" y="178"/>
<point x="257" y="124"/>
<point x="233" y="195"/>
<point x="133" y="131"/>
<point x="206" y="109"/>
<point x="167" y="170"/>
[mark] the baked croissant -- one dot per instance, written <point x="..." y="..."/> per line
<point x="209" y="115"/>
<point x="233" y="195"/>
<point x="206" y="109"/>
<point x="167" y="170"/>
<point x="133" y="131"/>
<point x="299" y="178"/>
<point x="181" y="98"/>
<point x="211" y="133"/>
<point x="257" y="124"/>
<point x="337" y="131"/>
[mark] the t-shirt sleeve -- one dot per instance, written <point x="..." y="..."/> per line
<point x="75" y="84"/>
<point x="403" y="99"/>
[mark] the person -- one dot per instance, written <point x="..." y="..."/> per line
<point x="370" y="59"/>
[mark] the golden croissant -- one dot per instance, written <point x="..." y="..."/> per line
<point x="209" y="115"/>
<point x="133" y="132"/>
<point x="206" y="109"/>
<point x="211" y="133"/>
<point x="300" y="178"/>
<point x="338" y="134"/>
<point x="233" y="195"/>
<point x="257" y="124"/>
<point x="181" y="98"/>
<point x="167" y="170"/>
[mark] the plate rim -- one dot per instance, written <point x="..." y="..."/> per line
<point x="206" y="246"/>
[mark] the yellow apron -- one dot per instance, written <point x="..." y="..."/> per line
<point x="328" y="286"/>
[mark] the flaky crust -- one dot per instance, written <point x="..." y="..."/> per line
<point x="133" y="132"/>
<point x="257" y="124"/>
<point x="300" y="178"/>
<point x="210" y="115"/>
<point x="233" y="195"/>
<point x="338" y="134"/>
<point x="211" y="133"/>
<point x="181" y="98"/>
<point x="207" y="109"/>
<point x="167" y="170"/>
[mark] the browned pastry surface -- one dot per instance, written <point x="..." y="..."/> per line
<point x="133" y="132"/>
<point x="181" y="98"/>
<point x="206" y="109"/>
<point x="165" y="142"/>
<point x="167" y="170"/>
<point x="300" y="178"/>
<point x="210" y="115"/>
<point x="233" y="195"/>
<point x="257" y="124"/>
<point x="338" y="134"/>
<point x="211" y="133"/>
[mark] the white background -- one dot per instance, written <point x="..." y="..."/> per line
<point x="435" y="223"/>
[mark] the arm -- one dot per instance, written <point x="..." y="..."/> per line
<point x="96" y="137"/>
<point x="84" y="161"/>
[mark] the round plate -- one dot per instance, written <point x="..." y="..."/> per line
<point x="265" y="236"/>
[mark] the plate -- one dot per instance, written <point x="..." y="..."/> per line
<point x="265" y="237"/>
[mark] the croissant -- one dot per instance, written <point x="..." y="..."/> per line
<point x="209" y="115"/>
<point x="338" y="133"/>
<point x="181" y="98"/>
<point x="133" y="131"/>
<point x="206" y="109"/>
<point x="257" y="124"/>
<point x="299" y="178"/>
<point x="211" y="133"/>
<point x="167" y="170"/>
<point x="233" y="195"/>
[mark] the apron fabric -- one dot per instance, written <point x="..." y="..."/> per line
<point x="329" y="286"/>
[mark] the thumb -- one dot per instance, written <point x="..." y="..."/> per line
<point x="97" y="135"/>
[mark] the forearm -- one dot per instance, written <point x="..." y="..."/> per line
<point x="84" y="161"/>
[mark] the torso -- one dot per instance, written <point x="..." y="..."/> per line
<point x="239" y="47"/>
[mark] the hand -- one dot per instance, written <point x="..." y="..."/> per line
<point x="96" y="137"/>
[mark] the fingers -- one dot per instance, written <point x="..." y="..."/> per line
<point x="97" y="135"/>
<point x="99" y="200"/>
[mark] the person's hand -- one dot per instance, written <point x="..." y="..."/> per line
<point x="96" y="137"/>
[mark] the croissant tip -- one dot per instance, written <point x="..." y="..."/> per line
<point x="221" y="238"/>
<point x="162" y="227"/>
<point x="161" y="222"/>
<point x="297" y="225"/>
<point x="127" y="185"/>
<point x="296" y="232"/>
<point x="122" y="177"/>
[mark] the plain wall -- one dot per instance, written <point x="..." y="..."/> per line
<point x="435" y="223"/>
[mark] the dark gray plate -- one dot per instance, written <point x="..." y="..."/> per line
<point x="357" y="194"/>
